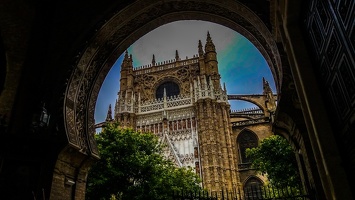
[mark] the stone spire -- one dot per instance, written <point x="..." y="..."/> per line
<point x="209" y="44"/>
<point x="270" y="100"/>
<point x="127" y="61"/>
<point x="266" y="87"/>
<point x="211" y="63"/>
<point x="177" y="55"/>
<point x="126" y="56"/>
<point x="130" y="61"/>
<point x="109" y="114"/>
<point x="153" y="60"/>
<point x="126" y="79"/>
<point x="200" y="50"/>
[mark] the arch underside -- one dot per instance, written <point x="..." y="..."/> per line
<point x="129" y="25"/>
<point x="252" y="179"/>
<point x="257" y="100"/>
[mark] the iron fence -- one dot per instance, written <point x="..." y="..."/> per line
<point x="248" y="193"/>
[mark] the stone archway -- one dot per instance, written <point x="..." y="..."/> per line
<point x="122" y="30"/>
<point x="48" y="59"/>
<point x="126" y="26"/>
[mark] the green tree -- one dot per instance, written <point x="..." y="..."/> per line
<point x="275" y="158"/>
<point x="132" y="167"/>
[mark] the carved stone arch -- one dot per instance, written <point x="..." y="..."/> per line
<point x="252" y="178"/>
<point x="287" y="128"/>
<point x="128" y="25"/>
<point x="245" y="129"/>
<point x="252" y="187"/>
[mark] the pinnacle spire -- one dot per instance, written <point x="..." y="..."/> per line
<point x="130" y="60"/>
<point x="109" y="114"/>
<point x="270" y="99"/>
<point x="177" y="55"/>
<point x="266" y="87"/>
<point x="127" y="61"/>
<point x="209" y="44"/>
<point x="200" y="50"/>
<point x="126" y="55"/>
<point x="153" y="60"/>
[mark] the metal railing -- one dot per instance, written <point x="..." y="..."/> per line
<point x="247" y="193"/>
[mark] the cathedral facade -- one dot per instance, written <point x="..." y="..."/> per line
<point x="183" y="102"/>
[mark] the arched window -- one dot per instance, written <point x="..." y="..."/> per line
<point x="171" y="89"/>
<point x="246" y="139"/>
<point x="253" y="188"/>
<point x="253" y="182"/>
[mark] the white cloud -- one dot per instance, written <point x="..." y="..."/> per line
<point x="182" y="36"/>
<point x="238" y="65"/>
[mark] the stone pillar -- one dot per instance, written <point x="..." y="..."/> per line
<point x="217" y="161"/>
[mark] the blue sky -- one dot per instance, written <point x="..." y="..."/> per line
<point x="241" y="65"/>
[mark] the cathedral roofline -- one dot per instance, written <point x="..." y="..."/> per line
<point x="166" y="62"/>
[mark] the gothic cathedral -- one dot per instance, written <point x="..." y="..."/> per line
<point x="182" y="101"/>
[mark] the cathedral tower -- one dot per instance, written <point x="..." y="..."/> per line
<point x="212" y="110"/>
<point x="124" y="112"/>
<point x="183" y="103"/>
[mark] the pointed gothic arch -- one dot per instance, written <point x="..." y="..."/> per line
<point x="119" y="32"/>
<point x="246" y="139"/>
<point x="252" y="181"/>
<point x="252" y="188"/>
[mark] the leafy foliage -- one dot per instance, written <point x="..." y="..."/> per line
<point x="275" y="158"/>
<point x="132" y="167"/>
